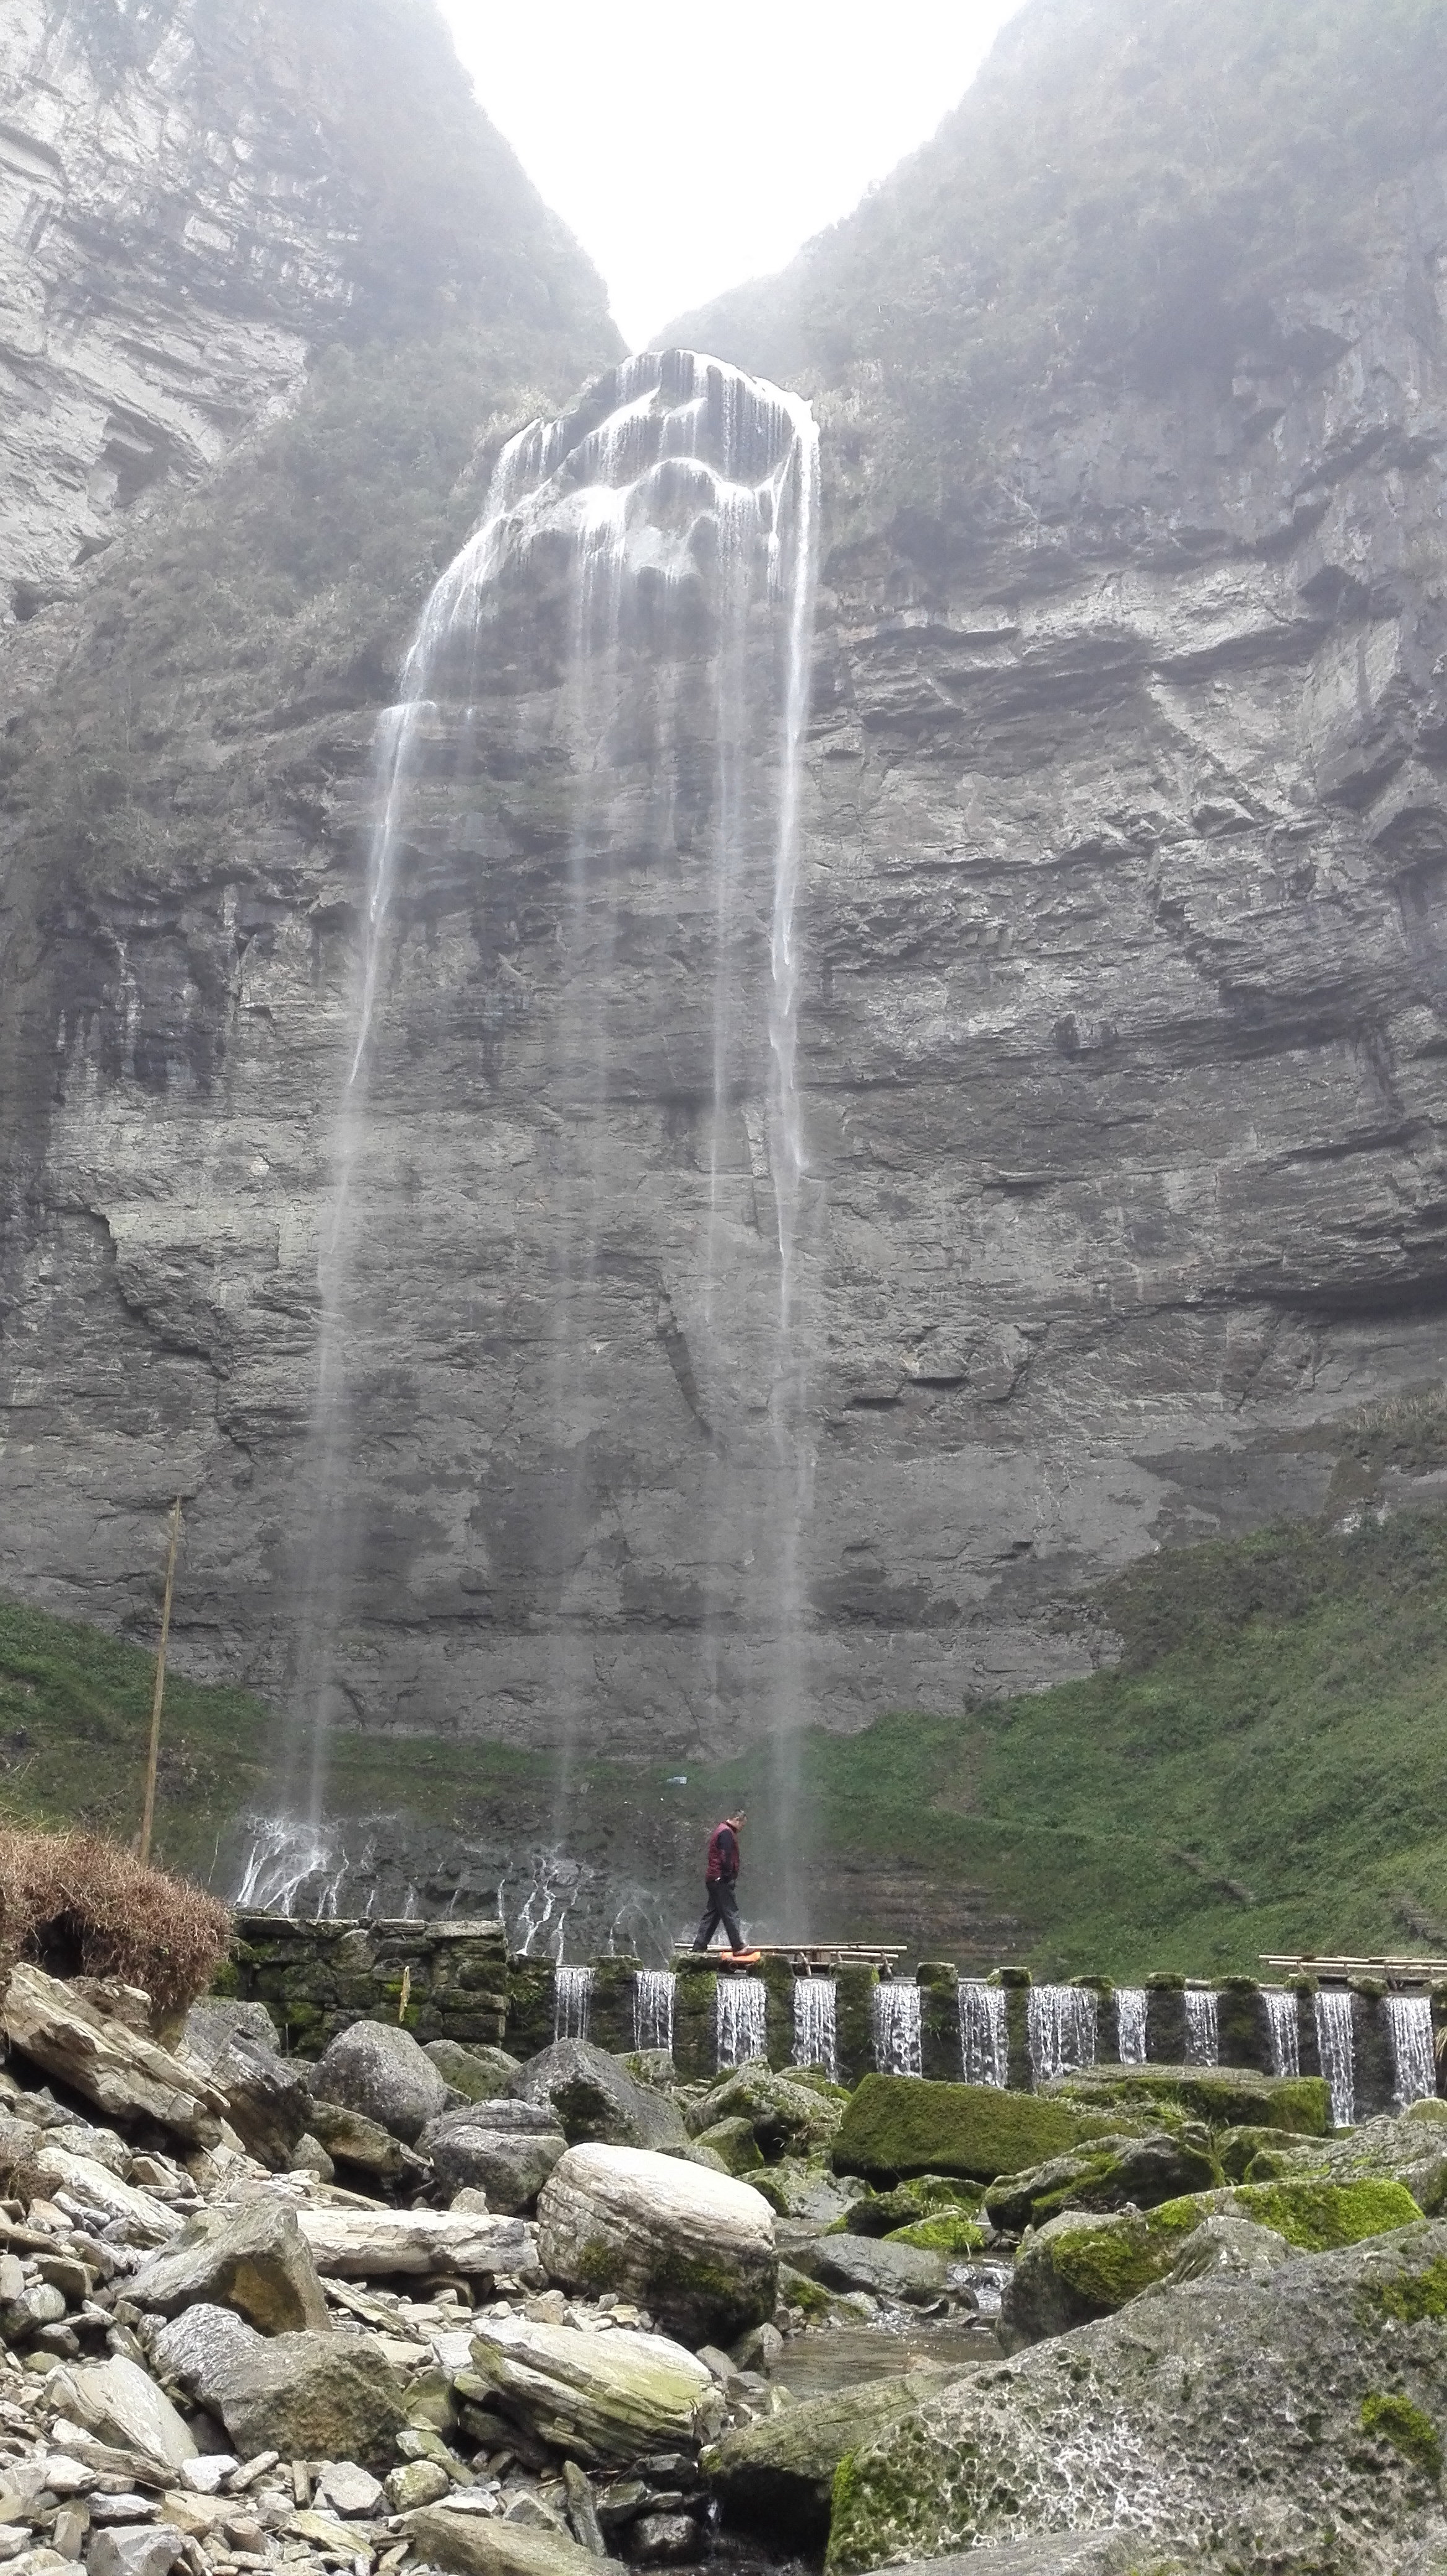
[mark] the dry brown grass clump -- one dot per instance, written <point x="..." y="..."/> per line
<point x="80" y="1906"/>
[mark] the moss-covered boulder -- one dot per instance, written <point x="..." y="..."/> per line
<point x="806" y="2191"/>
<point x="734" y="2144"/>
<point x="1087" y="2264"/>
<point x="1228" y="2411"/>
<point x="896" y="2126"/>
<point x="1316" y="2215"/>
<point x="1224" y="2097"/>
<point x="778" y="2476"/>
<point x="478" y="2074"/>
<point x="790" y="2115"/>
<point x="1113" y="2173"/>
<point x="1409" y="2148"/>
<point x="951" y="2233"/>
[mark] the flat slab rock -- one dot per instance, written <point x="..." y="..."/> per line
<point x="125" y="2074"/>
<point x="607" y="2399"/>
<point x="470" y="2544"/>
<point x="357" y="2244"/>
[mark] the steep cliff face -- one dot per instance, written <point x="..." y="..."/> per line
<point x="1121" y="1027"/>
<point x="192" y="194"/>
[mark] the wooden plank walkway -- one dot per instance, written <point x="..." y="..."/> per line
<point x="1392" y="1972"/>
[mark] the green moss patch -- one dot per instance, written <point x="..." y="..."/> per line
<point x="1408" y="2430"/>
<point x="1315" y="2216"/>
<point x="896" y="2126"/>
<point x="1412" y="2298"/>
<point x="943" y="2235"/>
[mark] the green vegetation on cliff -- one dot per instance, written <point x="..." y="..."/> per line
<point x="1120" y="195"/>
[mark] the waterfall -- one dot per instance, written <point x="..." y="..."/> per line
<point x="628" y="633"/>
<point x="572" y="2001"/>
<point x="1130" y="2025"/>
<point x="1409" y="2020"/>
<point x="984" y="2035"/>
<point x="1284" y="2031"/>
<point x="898" y="2034"/>
<point x="654" y="1992"/>
<point x="1203" y="2027"/>
<point x="1336" y="2048"/>
<point x="1061" y="2030"/>
<point x="815" y="2034"/>
<point x="741" y="2021"/>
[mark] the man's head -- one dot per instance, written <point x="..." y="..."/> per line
<point x="737" y="1822"/>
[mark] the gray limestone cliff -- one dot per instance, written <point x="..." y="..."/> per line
<point x="1123" y="920"/>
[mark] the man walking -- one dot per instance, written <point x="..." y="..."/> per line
<point x="720" y="1880"/>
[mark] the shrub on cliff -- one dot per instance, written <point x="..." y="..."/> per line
<point x="81" y="1905"/>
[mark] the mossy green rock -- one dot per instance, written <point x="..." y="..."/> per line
<point x="1315" y="2216"/>
<point x="896" y="2126"/>
<point x="478" y="2074"/>
<point x="1410" y="2148"/>
<point x="1226" y="2097"/>
<point x="779" y="2475"/>
<point x="957" y="2235"/>
<point x="1228" y="2410"/>
<point x="735" y="2145"/>
<point x="787" y="2115"/>
<point x="1114" y="2173"/>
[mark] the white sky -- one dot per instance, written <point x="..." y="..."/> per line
<point x="687" y="159"/>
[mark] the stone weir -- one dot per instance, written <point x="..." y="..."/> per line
<point x="1376" y="2044"/>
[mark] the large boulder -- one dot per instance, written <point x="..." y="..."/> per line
<point x="252" y="2258"/>
<point x="606" y="2399"/>
<point x="377" y="2069"/>
<point x="1230" y="2422"/>
<point x="198" y="2349"/>
<point x="1111" y="2173"/>
<point x="1409" y="2148"/>
<point x="595" y="2101"/>
<point x="314" y="2397"/>
<point x="352" y="2139"/>
<point x="1223" y="2097"/>
<point x="120" y="2404"/>
<point x="472" y="2544"/>
<point x="694" y="2247"/>
<point x="510" y="2165"/>
<point x="120" y="2070"/>
<point x="478" y="2073"/>
<point x="896" y="2126"/>
<point x="887" y="2270"/>
<point x="778" y="2476"/>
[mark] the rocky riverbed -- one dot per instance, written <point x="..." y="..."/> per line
<point x="412" y="2308"/>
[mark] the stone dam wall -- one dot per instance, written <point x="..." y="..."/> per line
<point x="1376" y="2046"/>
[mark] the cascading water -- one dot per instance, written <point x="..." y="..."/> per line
<point x="1336" y="2048"/>
<point x="1409" y="2022"/>
<point x="816" y="2040"/>
<point x="984" y="2034"/>
<point x="572" y="2001"/>
<point x="898" y="2030"/>
<point x="1061" y="2026"/>
<point x="629" y="634"/>
<point x="741" y="2021"/>
<point x="654" y="1994"/>
<point x="1283" y="2030"/>
<point x="1203" y="2027"/>
<point x="1130" y="2025"/>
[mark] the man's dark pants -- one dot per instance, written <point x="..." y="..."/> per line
<point x="720" y="1908"/>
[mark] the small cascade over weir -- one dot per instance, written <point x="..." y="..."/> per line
<point x="1061" y="2028"/>
<point x="1130" y="2025"/>
<point x="741" y="2030"/>
<point x="898" y="2028"/>
<point x="1284" y="2030"/>
<point x="1336" y="2047"/>
<point x="1203" y="2027"/>
<point x="1409" y="2023"/>
<point x="816" y="2041"/>
<point x="654" y="1993"/>
<point x="572" y="2001"/>
<point x="581" y="922"/>
<point x="984" y="2033"/>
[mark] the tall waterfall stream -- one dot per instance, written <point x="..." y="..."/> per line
<point x="654" y="553"/>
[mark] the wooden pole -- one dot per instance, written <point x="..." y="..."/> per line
<point x="149" y="1817"/>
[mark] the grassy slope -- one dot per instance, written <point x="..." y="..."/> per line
<point x="1265" y="1768"/>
